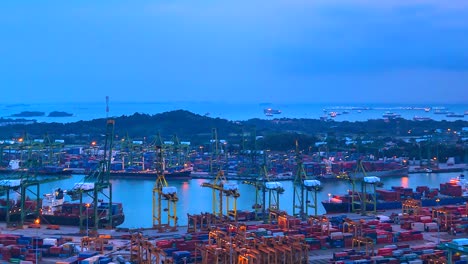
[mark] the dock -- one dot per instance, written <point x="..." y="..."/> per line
<point x="333" y="242"/>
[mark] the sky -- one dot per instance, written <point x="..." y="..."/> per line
<point x="279" y="51"/>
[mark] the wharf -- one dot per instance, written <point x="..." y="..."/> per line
<point x="119" y="237"/>
<point x="228" y="177"/>
<point x="442" y="168"/>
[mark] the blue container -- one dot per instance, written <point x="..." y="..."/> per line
<point x="87" y="254"/>
<point x="180" y="255"/>
<point x="105" y="260"/>
<point x="169" y="251"/>
<point x="21" y="241"/>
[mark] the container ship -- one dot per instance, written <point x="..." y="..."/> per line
<point x="50" y="170"/>
<point x="271" y="111"/>
<point x="450" y="193"/>
<point x="118" y="171"/>
<point x="337" y="170"/>
<point x="151" y="175"/>
<point x="56" y="211"/>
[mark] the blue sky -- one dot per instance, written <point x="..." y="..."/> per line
<point x="284" y="51"/>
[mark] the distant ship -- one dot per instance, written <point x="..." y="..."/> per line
<point x="421" y="118"/>
<point x="391" y="115"/>
<point x="455" y="115"/>
<point x="441" y="112"/>
<point x="271" y="111"/>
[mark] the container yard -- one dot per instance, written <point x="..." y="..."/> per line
<point x="412" y="235"/>
<point x="427" y="225"/>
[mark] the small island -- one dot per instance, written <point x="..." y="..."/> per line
<point x="59" y="114"/>
<point x="29" y="114"/>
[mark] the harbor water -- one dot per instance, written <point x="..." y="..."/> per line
<point x="230" y="111"/>
<point x="137" y="195"/>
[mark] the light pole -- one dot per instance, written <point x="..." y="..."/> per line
<point x="329" y="197"/>
<point x="438" y="223"/>
<point x="87" y="218"/>
<point x="37" y="222"/>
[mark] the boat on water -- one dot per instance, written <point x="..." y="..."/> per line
<point x="271" y="111"/>
<point x="150" y="174"/>
<point x="450" y="193"/>
<point x="56" y="211"/>
<point x="441" y="112"/>
<point x="359" y="175"/>
<point x="455" y="115"/>
<point x="346" y="169"/>
<point x="48" y="170"/>
<point x="391" y="115"/>
<point x="422" y="118"/>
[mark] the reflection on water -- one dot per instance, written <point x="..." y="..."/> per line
<point x="404" y="182"/>
<point x="137" y="195"/>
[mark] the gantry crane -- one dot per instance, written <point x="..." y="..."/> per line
<point x="304" y="187"/>
<point x="145" y="252"/>
<point x="362" y="201"/>
<point x="95" y="184"/>
<point x="50" y="149"/>
<point x="163" y="192"/>
<point x="26" y="184"/>
<point x="21" y="184"/>
<point x="263" y="185"/>
<point x="221" y="187"/>
<point x="368" y="244"/>
<point x="369" y="182"/>
<point x="215" y="158"/>
<point x="411" y="206"/>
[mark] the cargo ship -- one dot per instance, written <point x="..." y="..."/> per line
<point x="151" y="175"/>
<point x="49" y="170"/>
<point x="56" y="211"/>
<point x="271" y="111"/>
<point x="450" y="193"/>
<point x="337" y="170"/>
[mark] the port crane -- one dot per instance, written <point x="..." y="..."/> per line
<point x="131" y="152"/>
<point x="304" y="187"/>
<point x="216" y="162"/>
<point x="263" y="185"/>
<point x="176" y="150"/>
<point x="142" y="250"/>
<point x="25" y="183"/>
<point x="221" y="187"/>
<point x="367" y="184"/>
<point x="163" y="192"/>
<point x="96" y="183"/>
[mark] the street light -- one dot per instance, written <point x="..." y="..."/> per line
<point x="87" y="217"/>
<point x="37" y="222"/>
<point x="329" y="197"/>
<point x="438" y="223"/>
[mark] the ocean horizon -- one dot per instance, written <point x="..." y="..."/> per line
<point x="237" y="111"/>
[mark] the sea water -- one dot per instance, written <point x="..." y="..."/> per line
<point x="231" y="111"/>
<point x="137" y="195"/>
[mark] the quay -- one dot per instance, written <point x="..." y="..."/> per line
<point x="325" y="242"/>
